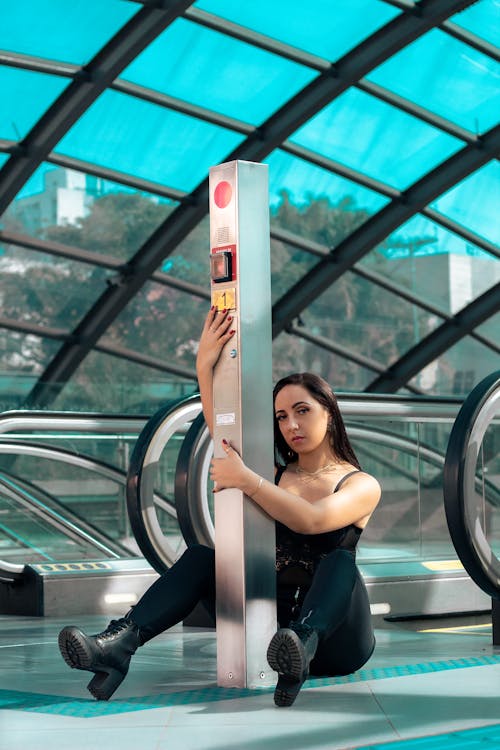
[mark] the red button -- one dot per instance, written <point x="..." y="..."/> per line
<point x="222" y="194"/>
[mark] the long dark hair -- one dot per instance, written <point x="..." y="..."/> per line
<point x="321" y="392"/>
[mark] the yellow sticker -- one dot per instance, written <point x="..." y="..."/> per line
<point x="224" y="299"/>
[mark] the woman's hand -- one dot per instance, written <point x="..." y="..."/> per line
<point x="216" y="333"/>
<point x="230" y="471"/>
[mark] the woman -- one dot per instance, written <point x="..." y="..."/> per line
<point x="321" y="501"/>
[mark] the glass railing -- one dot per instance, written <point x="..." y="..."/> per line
<point x="62" y="486"/>
<point x="141" y="487"/>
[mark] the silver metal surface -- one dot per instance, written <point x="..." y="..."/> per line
<point x="429" y="595"/>
<point x="67" y="421"/>
<point x="245" y="536"/>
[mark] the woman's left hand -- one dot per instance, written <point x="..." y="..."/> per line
<point x="229" y="471"/>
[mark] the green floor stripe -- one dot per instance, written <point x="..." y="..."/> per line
<point x="480" y="738"/>
<point x="88" y="708"/>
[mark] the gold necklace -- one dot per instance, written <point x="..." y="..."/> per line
<point x="310" y="475"/>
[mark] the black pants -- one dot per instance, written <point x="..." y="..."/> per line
<point x="336" y="604"/>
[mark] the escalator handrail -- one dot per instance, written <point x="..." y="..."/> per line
<point x="55" y="453"/>
<point x="468" y="538"/>
<point x="140" y="480"/>
<point x="11" y="421"/>
<point x="11" y="572"/>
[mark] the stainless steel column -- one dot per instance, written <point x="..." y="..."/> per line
<point x="244" y="535"/>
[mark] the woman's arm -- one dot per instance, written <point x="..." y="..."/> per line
<point x="215" y="334"/>
<point x="357" y="498"/>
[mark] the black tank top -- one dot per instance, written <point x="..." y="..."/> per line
<point x="294" y="550"/>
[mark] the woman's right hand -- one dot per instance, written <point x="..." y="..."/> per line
<point x="215" y="334"/>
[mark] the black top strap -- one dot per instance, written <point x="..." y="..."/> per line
<point x="341" y="482"/>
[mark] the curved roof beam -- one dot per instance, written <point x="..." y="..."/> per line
<point x="87" y="85"/>
<point x="437" y="342"/>
<point x="321" y="91"/>
<point x="379" y="226"/>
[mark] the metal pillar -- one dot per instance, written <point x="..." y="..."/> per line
<point x="244" y="534"/>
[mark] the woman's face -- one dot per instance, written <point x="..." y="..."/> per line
<point x="303" y="421"/>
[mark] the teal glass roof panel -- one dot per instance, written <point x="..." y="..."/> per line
<point x="288" y="265"/>
<point x="322" y="28"/>
<point x="491" y="329"/>
<point x="207" y="68"/>
<point x="67" y="32"/>
<point x="434" y="264"/>
<point x="482" y="19"/>
<point x="87" y="212"/>
<point x="474" y="202"/>
<point x="376" y="139"/>
<point x="458" y="370"/>
<point x="46" y="290"/>
<point x="116" y="385"/>
<point x="25" y="354"/>
<point x="190" y="261"/>
<point x="179" y="317"/>
<point x="304" y="182"/>
<point x="36" y="183"/>
<point x="359" y="315"/>
<point x="3" y="159"/>
<point x="446" y="77"/>
<point x="25" y="97"/>
<point x="148" y="141"/>
<point x="294" y="354"/>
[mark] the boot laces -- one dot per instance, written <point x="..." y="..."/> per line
<point x="302" y="629"/>
<point x="115" y="627"/>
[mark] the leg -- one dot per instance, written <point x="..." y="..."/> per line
<point x="177" y="591"/>
<point x="332" y="632"/>
<point x="165" y="603"/>
<point x="349" y="641"/>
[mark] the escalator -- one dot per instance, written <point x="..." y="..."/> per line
<point x="93" y="536"/>
<point x="66" y="546"/>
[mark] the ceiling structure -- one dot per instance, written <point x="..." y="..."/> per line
<point x="381" y="113"/>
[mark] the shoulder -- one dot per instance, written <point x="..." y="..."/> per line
<point x="361" y="481"/>
<point x="280" y="470"/>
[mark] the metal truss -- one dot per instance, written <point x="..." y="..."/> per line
<point x="84" y="89"/>
<point x="327" y="86"/>
<point x="333" y="80"/>
<point x="379" y="226"/>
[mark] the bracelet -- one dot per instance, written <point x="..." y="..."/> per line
<point x="259" y="485"/>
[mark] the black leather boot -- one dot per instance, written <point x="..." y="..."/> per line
<point x="290" y="653"/>
<point x="107" y="654"/>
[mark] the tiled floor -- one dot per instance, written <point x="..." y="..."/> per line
<point x="442" y="687"/>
